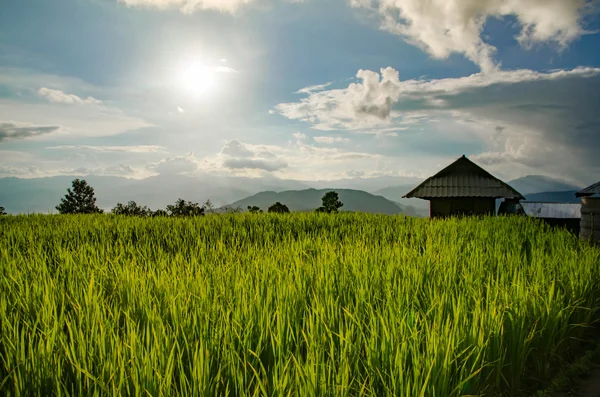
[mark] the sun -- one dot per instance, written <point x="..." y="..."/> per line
<point x="198" y="78"/>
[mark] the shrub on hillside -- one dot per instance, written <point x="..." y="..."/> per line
<point x="279" y="208"/>
<point x="131" y="209"/>
<point x="185" y="208"/>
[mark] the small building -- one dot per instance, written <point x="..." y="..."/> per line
<point x="564" y="215"/>
<point x="590" y="213"/>
<point x="463" y="188"/>
<point x="589" y="191"/>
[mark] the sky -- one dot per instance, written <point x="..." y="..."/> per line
<point x="299" y="89"/>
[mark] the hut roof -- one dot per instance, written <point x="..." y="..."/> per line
<point x="589" y="191"/>
<point x="463" y="178"/>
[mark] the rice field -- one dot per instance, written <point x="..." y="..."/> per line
<point x="295" y="305"/>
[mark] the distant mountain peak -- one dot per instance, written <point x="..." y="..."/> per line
<point x="310" y="199"/>
<point x="530" y="184"/>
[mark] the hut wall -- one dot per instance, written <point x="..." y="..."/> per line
<point x="590" y="219"/>
<point x="442" y="207"/>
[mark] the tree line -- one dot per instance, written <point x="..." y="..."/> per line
<point x="80" y="199"/>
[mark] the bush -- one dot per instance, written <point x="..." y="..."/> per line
<point x="131" y="209"/>
<point x="279" y="208"/>
<point x="185" y="208"/>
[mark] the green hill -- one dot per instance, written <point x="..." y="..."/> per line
<point x="412" y="207"/>
<point x="310" y="199"/>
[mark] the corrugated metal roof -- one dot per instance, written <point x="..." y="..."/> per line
<point x="589" y="191"/>
<point x="463" y="178"/>
<point x="553" y="210"/>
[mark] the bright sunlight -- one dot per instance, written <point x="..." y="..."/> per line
<point x="198" y="78"/>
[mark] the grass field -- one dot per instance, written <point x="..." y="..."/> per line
<point x="299" y="304"/>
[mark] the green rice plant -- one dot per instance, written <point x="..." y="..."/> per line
<point x="296" y="304"/>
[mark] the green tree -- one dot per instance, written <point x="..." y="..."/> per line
<point x="254" y="209"/>
<point x="2" y="211"/>
<point x="209" y="206"/>
<point x="279" y="208"/>
<point x="232" y="210"/>
<point x="331" y="203"/>
<point x="80" y="200"/>
<point x="160" y="213"/>
<point x="185" y="208"/>
<point x="131" y="209"/>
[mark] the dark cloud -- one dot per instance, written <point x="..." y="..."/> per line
<point x="380" y="111"/>
<point x="11" y="130"/>
<point x="556" y="119"/>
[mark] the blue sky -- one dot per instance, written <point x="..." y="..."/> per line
<point x="313" y="89"/>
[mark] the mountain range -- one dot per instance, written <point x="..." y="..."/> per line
<point x="538" y="184"/>
<point x="567" y="196"/>
<point x="310" y="199"/>
<point x="20" y="195"/>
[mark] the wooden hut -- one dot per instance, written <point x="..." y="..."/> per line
<point x="590" y="213"/>
<point x="463" y="188"/>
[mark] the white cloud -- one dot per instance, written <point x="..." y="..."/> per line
<point x="24" y="171"/>
<point x="77" y="116"/>
<point x="482" y="80"/>
<point x="543" y="116"/>
<point x="296" y="160"/>
<point x="127" y="149"/>
<point x="19" y="130"/>
<point x="113" y="170"/>
<point x="189" y="6"/>
<point x="14" y="155"/>
<point x="299" y="135"/>
<point x="237" y="155"/>
<point x="180" y="110"/>
<point x="225" y="69"/>
<point x="361" y="105"/>
<point x="236" y="148"/>
<point x="26" y="80"/>
<point x="329" y="139"/>
<point x="313" y="88"/>
<point x="187" y="164"/>
<point x="327" y="155"/>
<point x="355" y="173"/>
<point x="48" y="169"/>
<point x="257" y="164"/>
<point x="443" y="27"/>
<point x="58" y="96"/>
<point x="369" y="104"/>
<point x="87" y="121"/>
